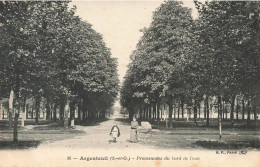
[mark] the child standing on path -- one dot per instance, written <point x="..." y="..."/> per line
<point x="115" y="132"/>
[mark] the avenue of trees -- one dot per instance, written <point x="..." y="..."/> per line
<point x="51" y="60"/>
<point x="184" y="64"/>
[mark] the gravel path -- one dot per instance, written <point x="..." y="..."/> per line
<point x="97" y="136"/>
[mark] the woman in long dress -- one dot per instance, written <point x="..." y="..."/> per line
<point x="115" y="132"/>
<point x="133" y="133"/>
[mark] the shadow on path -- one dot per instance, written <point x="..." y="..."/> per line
<point x="229" y="145"/>
<point x="19" y="145"/>
<point x="123" y="120"/>
<point x="91" y="122"/>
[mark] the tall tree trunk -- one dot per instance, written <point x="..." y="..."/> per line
<point x="218" y="112"/>
<point x="142" y="108"/>
<point x="15" y="130"/>
<point x="207" y="110"/>
<point x="150" y="112"/>
<point x="48" y="109"/>
<point x="62" y="108"/>
<point x="33" y="107"/>
<point x="188" y="113"/>
<point x="237" y="108"/>
<point x="27" y="111"/>
<point x="141" y="112"/>
<point x="243" y="109"/>
<point x="4" y="113"/>
<point x="205" y="107"/>
<point x="220" y="116"/>
<point x="174" y="111"/>
<point x="17" y="98"/>
<point x="248" y="111"/>
<point x="1" y="109"/>
<point x="84" y="108"/>
<point x="163" y="110"/>
<point x="16" y="116"/>
<point x="79" y="110"/>
<point x="131" y="113"/>
<point x="223" y="110"/>
<point x="232" y="110"/>
<point x="93" y="113"/>
<point x="51" y="111"/>
<point x="199" y="108"/>
<point x="55" y="111"/>
<point x="170" y="114"/>
<point x="211" y="109"/>
<point x="72" y="112"/>
<point x="178" y="112"/>
<point x="66" y="113"/>
<point x="23" y="111"/>
<point x="154" y="111"/>
<point x="37" y="108"/>
<point x="86" y="114"/>
<point x="255" y="112"/>
<point x="182" y="109"/>
<point x="90" y="113"/>
<point x="166" y="117"/>
<point x="158" y="111"/>
<point x="195" y="114"/>
<point x="11" y="103"/>
<point x="146" y="112"/>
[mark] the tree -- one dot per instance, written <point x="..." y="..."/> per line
<point x="52" y="56"/>
<point x="159" y="56"/>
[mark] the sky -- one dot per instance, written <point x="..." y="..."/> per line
<point x="119" y="22"/>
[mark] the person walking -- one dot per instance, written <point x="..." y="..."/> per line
<point x="133" y="133"/>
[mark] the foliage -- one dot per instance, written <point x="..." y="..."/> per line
<point x="49" y="52"/>
<point x="182" y="60"/>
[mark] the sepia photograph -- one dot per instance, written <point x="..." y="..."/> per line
<point x="134" y="83"/>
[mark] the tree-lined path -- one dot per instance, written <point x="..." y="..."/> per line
<point x="97" y="136"/>
<point x="182" y="136"/>
<point x="196" y="80"/>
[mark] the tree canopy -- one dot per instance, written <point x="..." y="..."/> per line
<point x="47" y="52"/>
<point x="180" y="60"/>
